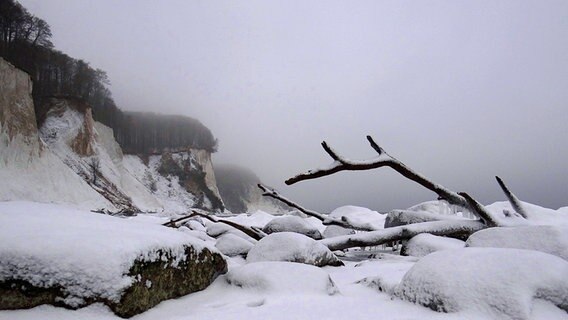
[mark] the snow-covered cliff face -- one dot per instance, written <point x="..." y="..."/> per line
<point x="238" y="187"/>
<point x="89" y="149"/>
<point x="28" y="170"/>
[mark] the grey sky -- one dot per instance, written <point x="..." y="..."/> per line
<point x="459" y="90"/>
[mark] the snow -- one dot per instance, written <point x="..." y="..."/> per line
<point x="86" y="253"/>
<point x="256" y="219"/>
<point x="536" y="215"/>
<point x="292" y="224"/>
<point x="499" y="283"/>
<point x="286" y="294"/>
<point x="282" y="277"/>
<point x="336" y="231"/>
<point x="232" y="245"/>
<point x="59" y="130"/>
<point x="294" y="247"/>
<point x="360" y="216"/>
<point x="425" y="243"/>
<point x="549" y="239"/>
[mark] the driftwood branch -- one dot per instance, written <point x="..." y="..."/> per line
<point x="515" y="202"/>
<point x="448" y="228"/>
<point x="253" y="233"/>
<point x="326" y="220"/>
<point x="385" y="160"/>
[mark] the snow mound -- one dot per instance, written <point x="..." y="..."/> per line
<point x="218" y="229"/>
<point x="500" y="283"/>
<point x="360" y="215"/>
<point x="548" y="239"/>
<point x="293" y="247"/>
<point x="282" y="277"/>
<point x="336" y="231"/>
<point x="87" y="254"/>
<point x="257" y="219"/>
<point x="536" y="215"/>
<point x="425" y="243"/>
<point x="232" y="245"/>
<point x="292" y="224"/>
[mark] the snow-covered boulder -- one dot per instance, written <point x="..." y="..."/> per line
<point x="282" y="277"/>
<point x="52" y="254"/>
<point x="218" y="229"/>
<point x="232" y="245"/>
<point x="425" y="243"/>
<point x="292" y="224"/>
<point x="549" y="239"/>
<point x="292" y="247"/>
<point x="499" y="283"/>
<point x="336" y="231"/>
<point x="360" y="216"/>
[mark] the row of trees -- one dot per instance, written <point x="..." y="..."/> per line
<point x="25" y="41"/>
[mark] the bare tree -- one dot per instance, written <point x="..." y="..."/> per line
<point x="95" y="166"/>
<point x="449" y="228"/>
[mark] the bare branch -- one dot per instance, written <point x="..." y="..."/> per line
<point x="253" y="233"/>
<point x="448" y="228"/>
<point x="480" y="210"/>
<point x="326" y="220"/>
<point x="385" y="160"/>
<point x="515" y="202"/>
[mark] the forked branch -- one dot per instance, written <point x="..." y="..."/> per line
<point x="385" y="160"/>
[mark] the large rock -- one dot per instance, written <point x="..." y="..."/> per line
<point x="292" y="224"/>
<point x="423" y="244"/>
<point x="496" y="283"/>
<point x="549" y="239"/>
<point x="282" y="277"/>
<point x="292" y="247"/>
<point x="51" y="254"/>
<point x="232" y="245"/>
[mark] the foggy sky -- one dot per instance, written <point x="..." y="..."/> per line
<point x="459" y="90"/>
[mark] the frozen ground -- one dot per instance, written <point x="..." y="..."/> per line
<point x="288" y="291"/>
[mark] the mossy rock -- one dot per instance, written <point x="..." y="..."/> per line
<point x="154" y="282"/>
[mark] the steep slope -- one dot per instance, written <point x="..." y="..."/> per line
<point x="238" y="188"/>
<point x="89" y="149"/>
<point x="28" y="170"/>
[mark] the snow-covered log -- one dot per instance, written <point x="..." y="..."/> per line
<point x="397" y="218"/>
<point x="454" y="229"/>
<point x="383" y="159"/>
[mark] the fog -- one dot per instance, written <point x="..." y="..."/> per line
<point x="461" y="91"/>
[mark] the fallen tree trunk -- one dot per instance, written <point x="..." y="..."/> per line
<point x="449" y="228"/>
<point x="397" y="218"/>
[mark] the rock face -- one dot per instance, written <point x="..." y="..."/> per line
<point x="194" y="171"/>
<point x="89" y="149"/>
<point x="32" y="171"/>
<point x="238" y="188"/>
